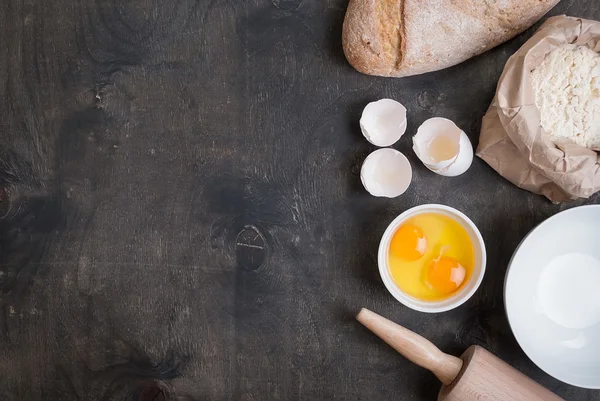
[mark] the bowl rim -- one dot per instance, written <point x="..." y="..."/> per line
<point x="411" y="302"/>
<point x="508" y="316"/>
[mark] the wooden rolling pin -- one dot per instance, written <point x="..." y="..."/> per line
<point x="477" y="375"/>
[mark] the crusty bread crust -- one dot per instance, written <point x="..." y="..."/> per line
<point x="397" y="38"/>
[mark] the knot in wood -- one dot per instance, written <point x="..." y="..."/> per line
<point x="427" y="99"/>
<point x="250" y="248"/>
<point x="4" y="202"/>
<point x="286" y="5"/>
<point x="152" y="392"/>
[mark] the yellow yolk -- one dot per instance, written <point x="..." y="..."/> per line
<point x="445" y="275"/>
<point x="431" y="256"/>
<point x="408" y="243"/>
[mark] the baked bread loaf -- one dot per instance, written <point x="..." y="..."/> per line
<point x="397" y="38"/>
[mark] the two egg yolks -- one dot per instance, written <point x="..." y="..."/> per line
<point x="431" y="256"/>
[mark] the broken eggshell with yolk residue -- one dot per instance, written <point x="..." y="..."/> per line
<point x="386" y="173"/>
<point x="383" y="122"/>
<point x="443" y="148"/>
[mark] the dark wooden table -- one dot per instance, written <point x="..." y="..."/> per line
<point x="181" y="216"/>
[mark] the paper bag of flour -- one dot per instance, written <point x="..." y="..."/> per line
<point x="512" y="140"/>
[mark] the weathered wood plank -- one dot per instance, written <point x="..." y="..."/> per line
<point x="181" y="215"/>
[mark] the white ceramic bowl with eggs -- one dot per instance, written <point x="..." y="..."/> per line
<point x="552" y="296"/>
<point x="456" y="299"/>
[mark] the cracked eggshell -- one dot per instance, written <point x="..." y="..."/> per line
<point x="383" y="122"/>
<point x="443" y="147"/>
<point x="386" y="173"/>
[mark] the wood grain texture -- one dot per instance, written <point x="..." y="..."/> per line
<point x="181" y="216"/>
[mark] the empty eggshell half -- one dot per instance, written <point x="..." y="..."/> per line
<point x="383" y="122"/>
<point x="443" y="147"/>
<point x="386" y="173"/>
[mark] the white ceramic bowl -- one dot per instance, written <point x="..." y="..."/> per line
<point x="455" y="300"/>
<point x="571" y="355"/>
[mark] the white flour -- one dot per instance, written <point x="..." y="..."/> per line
<point x="567" y="93"/>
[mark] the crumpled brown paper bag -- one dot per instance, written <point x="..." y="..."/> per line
<point x="512" y="140"/>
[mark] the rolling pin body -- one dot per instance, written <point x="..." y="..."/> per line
<point x="477" y="376"/>
<point x="485" y="377"/>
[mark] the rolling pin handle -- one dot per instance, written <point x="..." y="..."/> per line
<point x="412" y="346"/>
